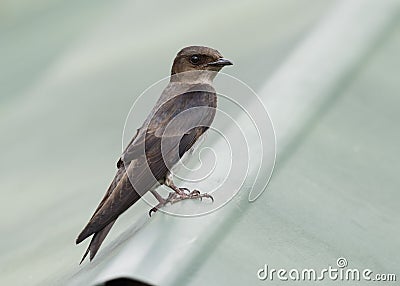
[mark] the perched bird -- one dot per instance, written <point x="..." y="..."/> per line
<point x="184" y="111"/>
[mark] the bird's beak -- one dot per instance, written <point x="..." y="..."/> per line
<point x="220" y="63"/>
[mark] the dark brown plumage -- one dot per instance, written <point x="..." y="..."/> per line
<point x="183" y="113"/>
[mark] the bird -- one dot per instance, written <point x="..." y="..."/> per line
<point x="182" y="114"/>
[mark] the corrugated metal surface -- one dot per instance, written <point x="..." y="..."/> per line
<point x="328" y="74"/>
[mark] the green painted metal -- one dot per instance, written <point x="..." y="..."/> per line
<point x="328" y="74"/>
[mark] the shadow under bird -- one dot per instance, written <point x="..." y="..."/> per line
<point x="184" y="111"/>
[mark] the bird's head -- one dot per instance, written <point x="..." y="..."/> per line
<point x="197" y="63"/>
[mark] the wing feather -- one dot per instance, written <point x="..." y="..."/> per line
<point x="154" y="150"/>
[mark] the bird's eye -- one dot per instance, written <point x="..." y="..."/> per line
<point x="195" y="59"/>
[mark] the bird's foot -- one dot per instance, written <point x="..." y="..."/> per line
<point x="161" y="201"/>
<point x="178" y="195"/>
<point x="187" y="194"/>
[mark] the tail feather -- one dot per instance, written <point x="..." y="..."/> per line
<point x="96" y="241"/>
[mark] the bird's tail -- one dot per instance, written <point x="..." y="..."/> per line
<point x="96" y="241"/>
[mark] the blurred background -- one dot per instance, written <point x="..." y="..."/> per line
<point x="70" y="70"/>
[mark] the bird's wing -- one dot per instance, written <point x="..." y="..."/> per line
<point x="172" y="131"/>
<point x="173" y="119"/>
<point x="120" y="163"/>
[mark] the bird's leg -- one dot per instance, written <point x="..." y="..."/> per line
<point x="178" y="194"/>
<point x="161" y="201"/>
<point x="184" y="193"/>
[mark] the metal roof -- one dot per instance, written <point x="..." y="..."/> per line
<point x="328" y="77"/>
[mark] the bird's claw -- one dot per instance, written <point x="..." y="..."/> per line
<point x="182" y="191"/>
<point x="197" y="195"/>
<point x="153" y="210"/>
<point x="162" y="203"/>
<point x="175" y="197"/>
